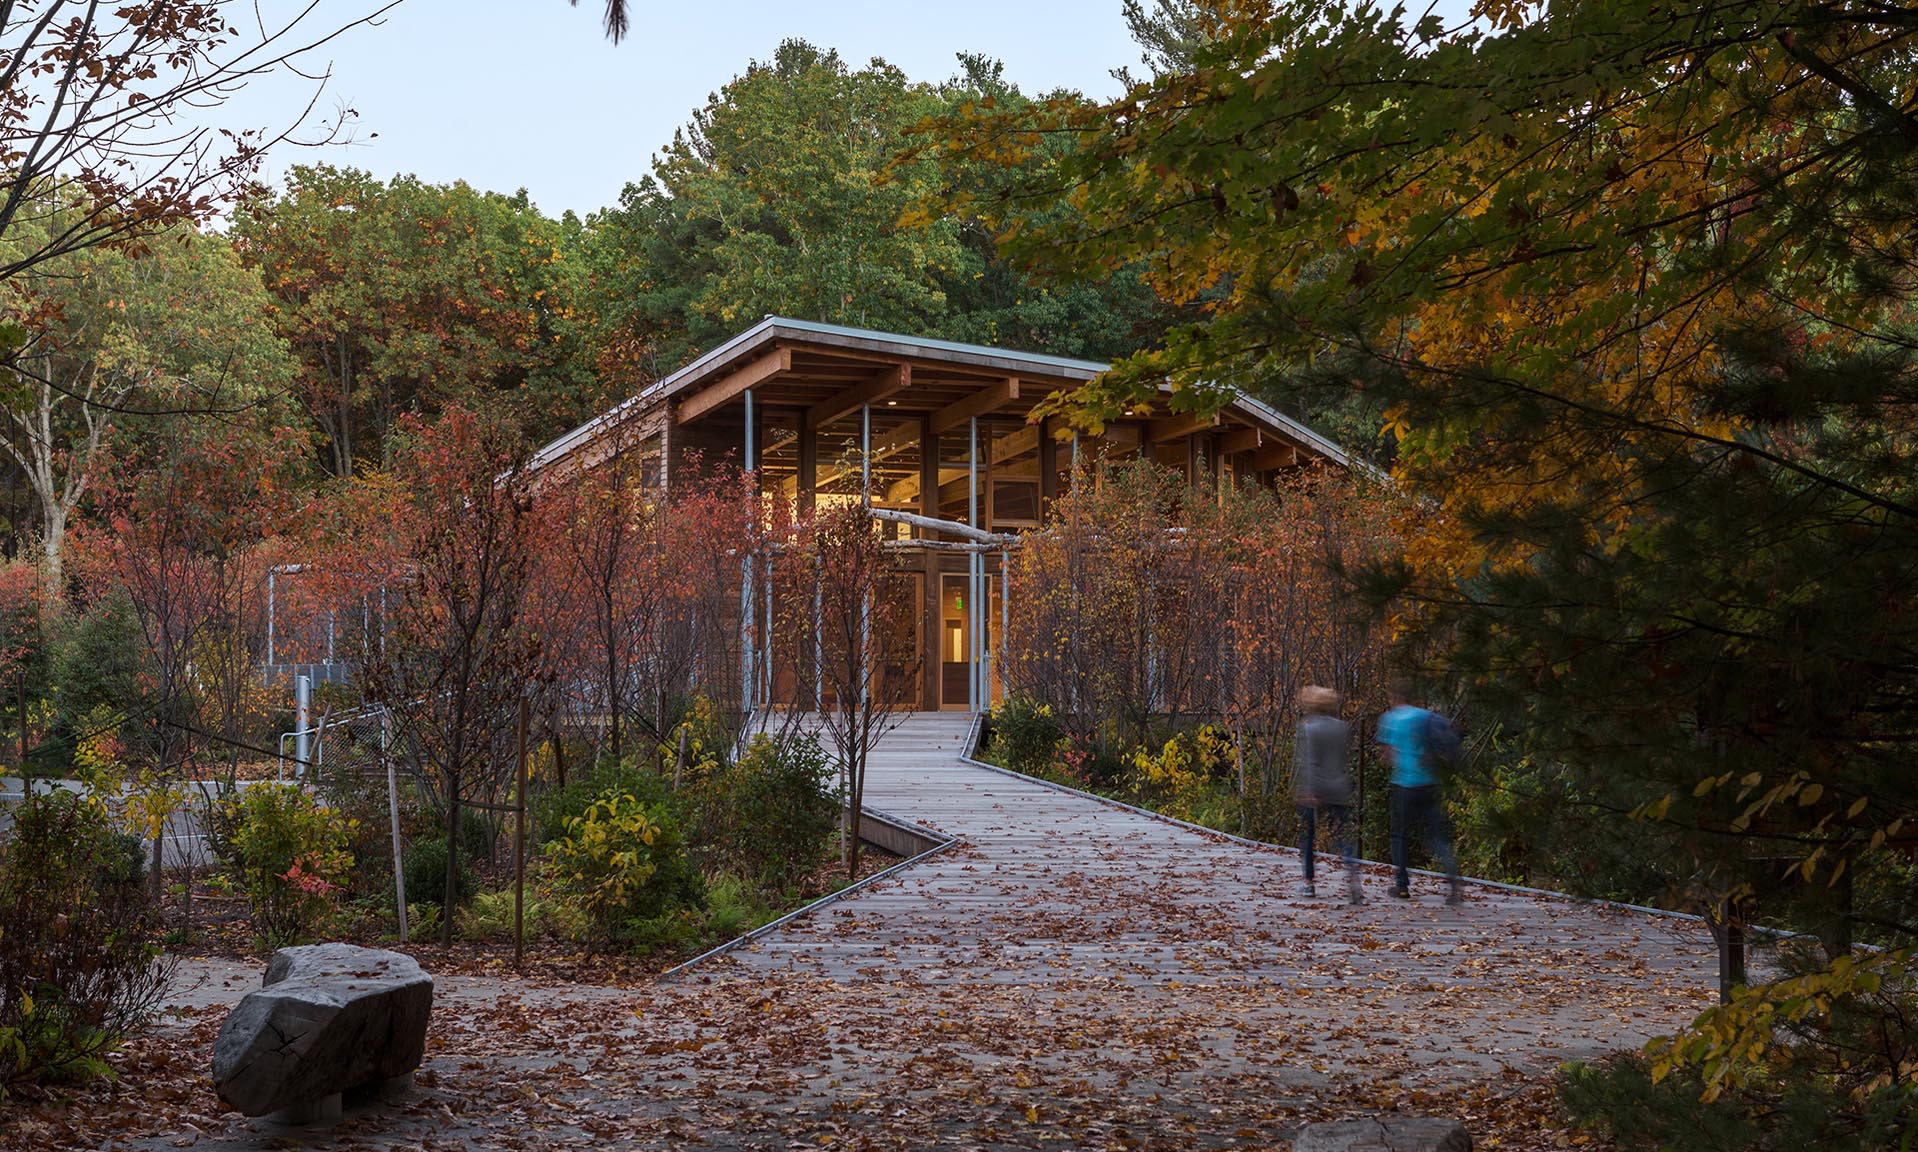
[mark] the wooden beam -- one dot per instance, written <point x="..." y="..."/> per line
<point x="734" y="385"/>
<point x="1240" y="440"/>
<point x="1277" y="456"/>
<point x="891" y="444"/>
<point x="1004" y="449"/>
<point x="852" y="399"/>
<point x="1015" y="444"/>
<point x="977" y="404"/>
<point x="1173" y="427"/>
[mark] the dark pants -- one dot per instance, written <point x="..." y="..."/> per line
<point x="1424" y="807"/>
<point x="1339" y="828"/>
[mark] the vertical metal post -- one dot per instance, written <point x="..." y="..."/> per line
<point x="865" y="454"/>
<point x="766" y="649"/>
<point x="519" y="844"/>
<point x="818" y="637"/>
<point x="1005" y="612"/>
<point x="329" y="635"/>
<point x="302" y="713"/>
<point x="752" y="460"/>
<point x="26" y="774"/>
<point x="972" y="568"/>
<point x="748" y="674"/>
<point x="269" y="616"/>
<point x="393" y="813"/>
<point x="746" y="632"/>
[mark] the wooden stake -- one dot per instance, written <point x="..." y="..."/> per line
<point x="519" y="846"/>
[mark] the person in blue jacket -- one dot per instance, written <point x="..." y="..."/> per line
<point x="1407" y="732"/>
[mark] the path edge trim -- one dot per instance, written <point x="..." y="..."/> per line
<point x="972" y="744"/>
<point x="823" y="902"/>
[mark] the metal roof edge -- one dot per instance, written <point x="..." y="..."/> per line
<point x="773" y="327"/>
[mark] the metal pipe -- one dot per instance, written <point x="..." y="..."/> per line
<point x="865" y="454"/>
<point x="302" y="705"/>
<point x="751" y="461"/>
<point x="393" y="813"/>
<point x="973" y="568"/>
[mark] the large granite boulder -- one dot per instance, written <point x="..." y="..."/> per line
<point x="1384" y="1134"/>
<point x="330" y="1019"/>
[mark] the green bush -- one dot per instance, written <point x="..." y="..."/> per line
<point x="426" y="874"/>
<point x="294" y="853"/>
<point x="766" y="817"/>
<point x="623" y="863"/>
<point x="554" y="810"/>
<point x="80" y="964"/>
<point x="1025" y="735"/>
<point x="1795" y="1107"/>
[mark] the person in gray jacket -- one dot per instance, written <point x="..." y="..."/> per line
<point x="1322" y="784"/>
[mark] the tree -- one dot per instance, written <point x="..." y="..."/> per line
<point x="1630" y="283"/>
<point x="104" y="109"/>
<point x="110" y="337"/>
<point x="406" y="297"/>
<point x="453" y="545"/>
<point x="793" y="193"/>
<point x="618" y="19"/>
<point x="861" y="626"/>
<point x="183" y="540"/>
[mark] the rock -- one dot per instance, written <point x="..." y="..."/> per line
<point x="330" y="1019"/>
<point x="1384" y="1134"/>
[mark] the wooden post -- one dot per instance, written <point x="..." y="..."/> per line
<point x="519" y="845"/>
<point x="26" y="774"/>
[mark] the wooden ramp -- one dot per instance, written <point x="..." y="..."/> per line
<point x="1049" y="887"/>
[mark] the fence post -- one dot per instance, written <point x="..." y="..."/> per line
<point x="519" y="846"/>
<point x="393" y="811"/>
<point x="302" y="708"/>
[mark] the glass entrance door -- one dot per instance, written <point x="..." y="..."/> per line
<point x="955" y="647"/>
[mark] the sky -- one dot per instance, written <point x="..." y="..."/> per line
<point x="506" y="94"/>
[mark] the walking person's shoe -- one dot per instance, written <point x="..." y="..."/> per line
<point x="1357" y="895"/>
<point x="1455" y="897"/>
<point x="1401" y="893"/>
<point x="1306" y="889"/>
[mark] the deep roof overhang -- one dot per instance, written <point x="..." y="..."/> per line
<point x="776" y="331"/>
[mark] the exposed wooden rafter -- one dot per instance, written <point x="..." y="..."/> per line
<point x="728" y="388"/>
<point x="1240" y="440"/>
<point x="872" y="391"/>
<point x="1276" y="456"/>
<point x="1177" y="426"/>
<point x="978" y="404"/>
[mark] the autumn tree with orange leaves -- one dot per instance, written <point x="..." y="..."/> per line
<point x="1632" y="283"/>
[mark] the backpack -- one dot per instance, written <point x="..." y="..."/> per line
<point x="1442" y="741"/>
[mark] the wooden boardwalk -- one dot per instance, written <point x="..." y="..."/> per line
<point x="1048" y="887"/>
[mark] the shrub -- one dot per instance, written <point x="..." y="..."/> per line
<point x="80" y="963"/>
<point x="1025" y="735"/>
<point x="490" y="916"/>
<point x="624" y="863"/>
<point x="294" y="852"/>
<point x="426" y="874"/>
<point x="554" y="810"/>
<point x="767" y="816"/>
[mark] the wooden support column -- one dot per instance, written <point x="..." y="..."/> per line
<point x="808" y="466"/>
<point x="1048" y="467"/>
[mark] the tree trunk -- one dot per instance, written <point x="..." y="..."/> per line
<point x="53" y="540"/>
<point x="449" y="898"/>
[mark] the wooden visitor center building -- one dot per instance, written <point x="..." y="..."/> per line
<point x="926" y="430"/>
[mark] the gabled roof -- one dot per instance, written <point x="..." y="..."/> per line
<point x="780" y="329"/>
